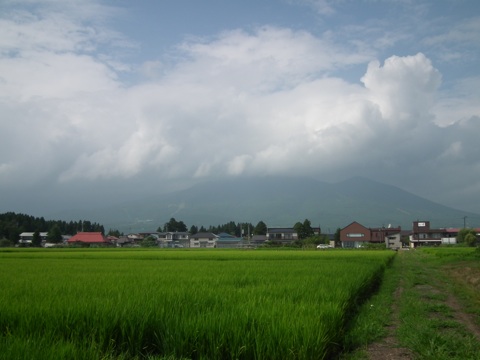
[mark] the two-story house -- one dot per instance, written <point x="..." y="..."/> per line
<point x="282" y="235"/>
<point x="203" y="240"/>
<point x="356" y="235"/>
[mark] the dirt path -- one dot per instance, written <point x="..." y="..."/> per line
<point x="469" y="277"/>
<point x="463" y="317"/>
<point x="432" y="283"/>
<point x="388" y="348"/>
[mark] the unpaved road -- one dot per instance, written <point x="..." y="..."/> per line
<point x="438" y="284"/>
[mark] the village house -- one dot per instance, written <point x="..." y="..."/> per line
<point x="356" y="235"/>
<point x="225" y="240"/>
<point x="176" y="239"/>
<point x="112" y="239"/>
<point x="282" y="235"/>
<point x="26" y="238"/>
<point x="258" y="240"/>
<point x="125" y="241"/>
<point x="450" y="235"/>
<point x="424" y="235"/>
<point x="203" y="240"/>
<point x="89" y="239"/>
<point x="135" y="238"/>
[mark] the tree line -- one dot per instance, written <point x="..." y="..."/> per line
<point x="305" y="231"/>
<point x="232" y="228"/>
<point x="13" y="224"/>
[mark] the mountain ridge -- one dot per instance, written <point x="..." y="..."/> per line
<point x="280" y="202"/>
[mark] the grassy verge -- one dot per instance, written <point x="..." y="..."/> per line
<point x="429" y="325"/>
<point x="461" y="272"/>
<point x="374" y="316"/>
<point x="435" y="309"/>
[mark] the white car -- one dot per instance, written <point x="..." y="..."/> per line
<point x="323" y="246"/>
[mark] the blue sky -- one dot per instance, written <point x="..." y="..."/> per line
<point x="442" y="30"/>
<point x="104" y="101"/>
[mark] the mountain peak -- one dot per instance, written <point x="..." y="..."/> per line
<point x="282" y="201"/>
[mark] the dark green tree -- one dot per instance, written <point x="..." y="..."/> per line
<point x="193" y="230"/>
<point x="174" y="226"/>
<point x="13" y="233"/>
<point x="5" y="243"/>
<point x="336" y="238"/>
<point x="298" y="227"/>
<point x="307" y="229"/>
<point x="87" y="226"/>
<point x="115" y="233"/>
<point x="37" y="239"/>
<point x="181" y="227"/>
<point x="304" y="230"/>
<point x="260" y="229"/>
<point x="54" y="234"/>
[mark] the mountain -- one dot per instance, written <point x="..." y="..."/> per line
<point x="279" y="202"/>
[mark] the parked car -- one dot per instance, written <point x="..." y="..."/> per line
<point x="323" y="246"/>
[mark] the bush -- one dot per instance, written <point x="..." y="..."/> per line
<point x="467" y="236"/>
<point x="149" y="241"/>
<point x="5" y="243"/>
<point x="371" y="246"/>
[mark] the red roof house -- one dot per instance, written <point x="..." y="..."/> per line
<point x="88" y="238"/>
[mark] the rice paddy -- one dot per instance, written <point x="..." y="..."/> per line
<point x="182" y="304"/>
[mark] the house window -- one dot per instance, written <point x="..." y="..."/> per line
<point x="355" y="235"/>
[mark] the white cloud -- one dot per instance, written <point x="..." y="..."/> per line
<point x="48" y="75"/>
<point x="404" y="88"/>
<point x="265" y="60"/>
<point x="240" y="103"/>
<point x="464" y="32"/>
<point x="321" y="7"/>
<point x="459" y="103"/>
<point x="456" y="42"/>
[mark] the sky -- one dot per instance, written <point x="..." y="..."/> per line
<point x="104" y="101"/>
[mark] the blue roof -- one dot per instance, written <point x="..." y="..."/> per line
<point x="225" y="235"/>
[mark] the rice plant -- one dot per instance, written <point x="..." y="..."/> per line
<point x="183" y="304"/>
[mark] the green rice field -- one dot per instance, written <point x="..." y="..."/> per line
<point x="181" y="304"/>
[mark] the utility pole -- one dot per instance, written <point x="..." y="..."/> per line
<point x="465" y="222"/>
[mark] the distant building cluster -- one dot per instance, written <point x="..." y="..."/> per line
<point x="354" y="235"/>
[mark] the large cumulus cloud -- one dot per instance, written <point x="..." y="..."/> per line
<point x="239" y="104"/>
